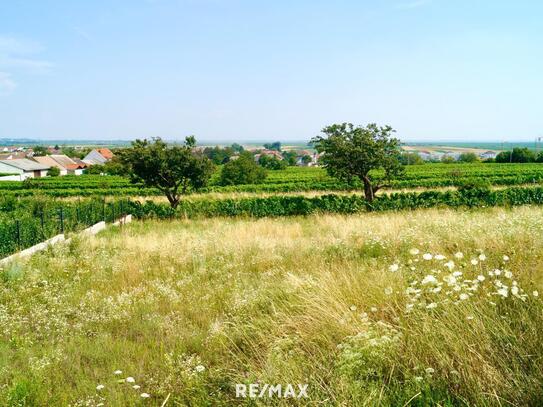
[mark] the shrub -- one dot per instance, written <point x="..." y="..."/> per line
<point x="243" y="170"/>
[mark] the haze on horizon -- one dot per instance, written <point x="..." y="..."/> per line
<point x="227" y="70"/>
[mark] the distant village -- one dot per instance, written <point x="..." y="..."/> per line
<point x="18" y="163"/>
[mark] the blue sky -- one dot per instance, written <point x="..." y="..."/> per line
<point x="228" y="70"/>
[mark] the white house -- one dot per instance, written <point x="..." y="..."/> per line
<point x="98" y="156"/>
<point x="22" y="168"/>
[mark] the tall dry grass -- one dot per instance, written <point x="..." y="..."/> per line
<point x="190" y="308"/>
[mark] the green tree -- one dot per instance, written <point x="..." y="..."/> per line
<point x="271" y="162"/>
<point x="517" y="155"/>
<point x="447" y="159"/>
<point x="468" y="158"/>
<point x="273" y="146"/>
<point x="39" y="151"/>
<point x="53" y="172"/>
<point x="290" y="157"/>
<point x="306" y="159"/>
<point x="407" y="158"/>
<point x="242" y="170"/>
<point x="351" y="152"/>
<point x="175" y="170"/>
<point x="237" y="148"/>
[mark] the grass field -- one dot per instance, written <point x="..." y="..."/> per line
<point x="343" y="303"/>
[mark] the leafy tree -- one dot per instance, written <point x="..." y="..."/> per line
<point x="306" y="159"/>
<point x="96" y="169"/>
<point x="271" y="162"/>
<point x="447" y="159"/>
<point x="468" y="158"/>
<point x="411" y="159"/>
<point x="242" y="170"/>
<point x="517" y="155"/>
<point x="39" y="151"/>
<point x="218" y="155"/>
<point x="350" y="153"/>
<point x="290" y="157"/>
<point x="53" y="172"/>
<point x="237" y="148"/>
<point x="175" y="170"/>
<point x="273" y="146"/>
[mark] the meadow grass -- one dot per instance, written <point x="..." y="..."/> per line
<point x="409" y="308"/>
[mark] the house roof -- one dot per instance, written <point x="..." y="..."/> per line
<point x="105" y="152"/>
<point x="80" y="163"/>
<point x="25" y="164"/>
<point x="65" y="161"/>
<point x="48" y="160"/>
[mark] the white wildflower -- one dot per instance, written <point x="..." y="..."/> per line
<point x="464" y="296"/>
<point x="508" y="274"/>
<point x="418" y="379"/>
<point x="429" y="370"/>
<point x="393" y="268"/>
<point x="130" y="379"/>
<point x="474" y="262"/>
<point x="145" y="395"/>
<point x="100" y="387"/>
<point x="469" y="317"/>
<point x="352" y="307"/>
<point x="457" y="273"/>
<point x="482" y="257"/>
<point x="481" y="278"/>
<point x="414" y="251"/>
<point x="439" y="257"/>
<point x="118" y="372"/>
<point x="450" y="264"/>
<point x="136" y="386"/>
<point x="505" y="258"/>
<point x="427" y="256"/>
<point x="200" y="368"/>
<point x="503" y="292"/>
<point x="431" y="305"/>
<point x="459" y="255"/>
<point x="373" y="309"/>
<point x="514" y="290"/>
<point x="429" y="279"/>
<point x="535" y="294"/>
<point x="388" y="290"/>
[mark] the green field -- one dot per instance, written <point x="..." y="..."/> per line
<point x="291" y="179"/>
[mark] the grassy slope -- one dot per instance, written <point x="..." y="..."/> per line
<point x="297" y="300"/>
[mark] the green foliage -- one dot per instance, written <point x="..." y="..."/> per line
<point x="352" y="152"/>
<point x="29" y="221"/>
<point x="53" y="172"/>
<point x="219" y="155"/>
<point x="447" y="159"/>
<point x="410" y="159"/>
<point x="39" y="151"/>
<point x="173" y="170"/>
<point x="517" y="155"/>
<point x="468" y="158"/>
<point x="271" y="162"/>
<point x="273" y="146"/>
<point x="243" y="170"/>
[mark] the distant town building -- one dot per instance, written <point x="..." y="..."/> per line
<point x="23" y="168"/>
<point x="98" y="156"/>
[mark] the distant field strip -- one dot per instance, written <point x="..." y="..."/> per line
<point x="290" y="180"/>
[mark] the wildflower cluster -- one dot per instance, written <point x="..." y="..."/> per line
<point x="456" y="280"/>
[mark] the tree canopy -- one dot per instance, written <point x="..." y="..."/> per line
<point x="243" y="170"/>
<point x="351" y="152"/>
<point x="174" y="170"/>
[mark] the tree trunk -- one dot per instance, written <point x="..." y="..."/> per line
<point x="173" y="199"/>
<point x="368" y="189"/>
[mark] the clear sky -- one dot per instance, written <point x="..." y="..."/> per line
<point x="226" y="70"/>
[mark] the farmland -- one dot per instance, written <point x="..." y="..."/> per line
<point x="428" y="295"/>
<point x="438" y="307"/>
<point x="290" y="180"/>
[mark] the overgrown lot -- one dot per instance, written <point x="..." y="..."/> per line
<point x="422" y="307"/>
